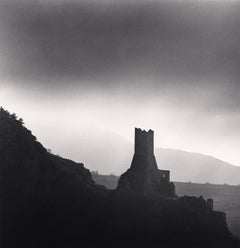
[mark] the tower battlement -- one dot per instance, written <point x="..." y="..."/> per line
<point x="144" y="142"/>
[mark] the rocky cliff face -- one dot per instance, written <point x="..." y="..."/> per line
<point x="50" y="201"/>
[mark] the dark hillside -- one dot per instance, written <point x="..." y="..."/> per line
<point x="49" y="201"/>
<point x="226" y="197"/>
<point x="41" y="191"/>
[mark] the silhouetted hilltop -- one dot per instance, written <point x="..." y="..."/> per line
<point x="50" y="201"/>
<point x="24" y="159"/>
<point x="43" y="195"/>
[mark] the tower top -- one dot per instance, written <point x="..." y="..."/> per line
<point x="144" y="142"/>
<point x="143" y="131"/>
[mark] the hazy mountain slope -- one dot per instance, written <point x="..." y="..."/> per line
<point x="99" y="150"/>
<point x="113" y="155"/>
<point x="186" y="166"/>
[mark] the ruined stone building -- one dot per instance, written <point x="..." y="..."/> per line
<point x="144" y="178"/>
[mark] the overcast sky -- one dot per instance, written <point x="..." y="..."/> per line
<point x="171" y="66"/>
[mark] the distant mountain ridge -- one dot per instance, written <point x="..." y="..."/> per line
<point x="196" y="167"/>
<point x="113" y="155"/>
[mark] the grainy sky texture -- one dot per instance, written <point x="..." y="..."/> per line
<point x="172" y="66"/>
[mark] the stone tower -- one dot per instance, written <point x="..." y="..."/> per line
<point x="144" y="158"/>
<point x="143" y="142"/>
<point x="144" y="178"/>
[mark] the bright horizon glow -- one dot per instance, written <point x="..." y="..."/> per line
<point x="173" y="129"/>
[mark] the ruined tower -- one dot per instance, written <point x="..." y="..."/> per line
<point x="144" y="177"/>
<point x="143" y="142"/>
<point x="144" y="158"/>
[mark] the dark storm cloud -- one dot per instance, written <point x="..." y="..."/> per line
<point x="57" y="40"/>
<point x="189" y="51"/>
